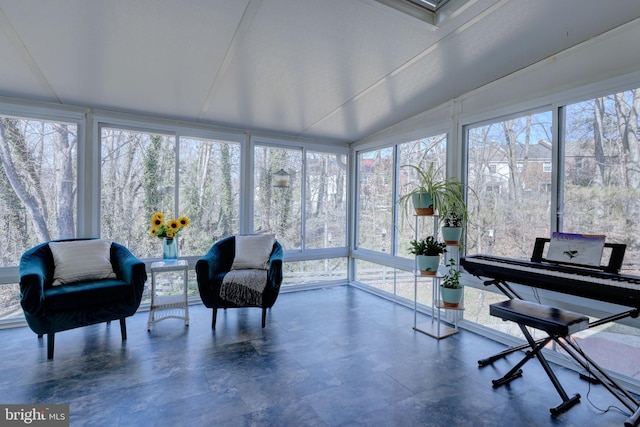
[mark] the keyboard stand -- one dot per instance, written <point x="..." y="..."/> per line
<point x="559" y="325"/>
<point x="511" y="294"/>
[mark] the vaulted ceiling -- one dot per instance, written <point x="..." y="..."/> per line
<point x="330" y="69"/>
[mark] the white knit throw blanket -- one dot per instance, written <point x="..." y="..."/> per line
<point x="244" y="287"/>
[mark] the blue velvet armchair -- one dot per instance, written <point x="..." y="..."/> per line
<point x="49" y="309"/>
<point x="216" y="264"/>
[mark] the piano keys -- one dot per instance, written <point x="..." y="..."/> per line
<point x="594" y="284"/>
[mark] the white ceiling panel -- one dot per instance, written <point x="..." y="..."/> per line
<point x="509" y="36"/>
<point x="330" y="69"/>
<point x="301" y="60"/>
<point x="128" y="55"/>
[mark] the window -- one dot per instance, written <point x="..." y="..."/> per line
<point x="512" y="200"/>
<point x="375" y="199"/>
<point x="385" y="226"/>
<point x="38" y="188"/>
<point x="209" y="192"/>
<point x="326" y="200"/>
<point x="140" y="174"/>
<point x="278" y="208"/>
<point x="320" y="223"/>
<point x="137" y="178"/>
<point x="602" y="195"/>
<point x="38" y="184"/>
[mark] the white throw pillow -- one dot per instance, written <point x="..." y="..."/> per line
<point x="253" y="251"/>
<point x="81" y="260"/>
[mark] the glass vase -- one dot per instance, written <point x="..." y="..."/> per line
<point x="170" y="249"/>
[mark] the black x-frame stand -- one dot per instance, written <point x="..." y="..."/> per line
<point x="595" y="372"/>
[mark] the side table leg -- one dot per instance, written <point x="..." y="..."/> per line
<point x="153" y="297"/>
<point x="150" y="321"/>
<point x="186" y="298"/>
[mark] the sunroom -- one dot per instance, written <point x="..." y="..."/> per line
<point x="111" y="111"/>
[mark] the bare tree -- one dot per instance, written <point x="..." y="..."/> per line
<point x="20" y="169"/>
<point x="627" y="123"/>
<point x="66" y="194"/>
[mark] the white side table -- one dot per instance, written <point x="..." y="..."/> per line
<point x="168" y="306"/>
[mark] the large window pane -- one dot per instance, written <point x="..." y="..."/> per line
<point x="138" y="178"/>
<point x="277" y="208"/>
<point x="509" y="170"/>
<point x="602" y="195"/>
<point x="375" y="199"/>
<point x="37" y="184"/>
<point x="38" y="165"/>
<point x="602" y="171"/>
<point x="209" y="192"/>
<point x="326" y="200"/>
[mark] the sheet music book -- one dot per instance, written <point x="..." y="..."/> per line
<point x="584" y="249"/>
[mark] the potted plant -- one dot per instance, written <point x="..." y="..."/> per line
<point x="450" y="289"/>
<point x="453" y="212"/>
<point x="427" y="252"/>
<point x="453" y="218"/>
<point x="423" y="193"/>
<point x="432" y="191"/>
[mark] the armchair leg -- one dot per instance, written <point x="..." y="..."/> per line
<point x="264" y="317"/>
<point x="50" y="342"/>
<point x="213" y="318"/>
<point x="123" y="328"/>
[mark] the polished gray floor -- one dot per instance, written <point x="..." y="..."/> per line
<point x="328" y="357"/>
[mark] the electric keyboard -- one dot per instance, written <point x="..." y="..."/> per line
<point x="594" y="284"/>
<point x="602" y="283"/>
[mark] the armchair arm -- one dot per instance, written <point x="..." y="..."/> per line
<point x="128" y="268"/>
<point x="34" y="270"/>
<point x="275" y="266"/>
<point x="217" y="260"/>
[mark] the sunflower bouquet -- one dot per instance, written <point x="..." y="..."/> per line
<point x="168" y="229"/>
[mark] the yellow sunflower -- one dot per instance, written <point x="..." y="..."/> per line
<point x="184" y="221"/>
<point x="169" y="228"/>
<point x="157" y="219"/>
<point x="173" y="225"/>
